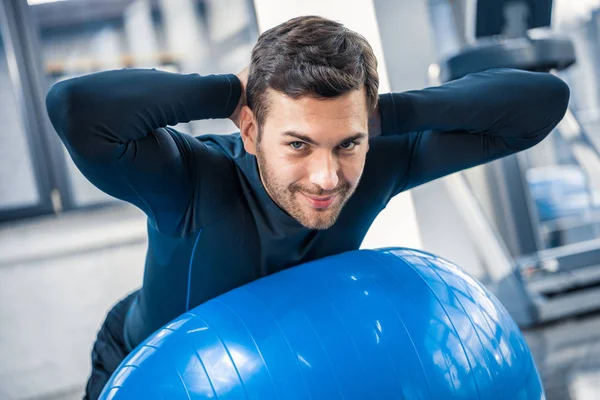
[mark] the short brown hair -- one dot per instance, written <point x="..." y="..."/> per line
<point x="312" y="56"/>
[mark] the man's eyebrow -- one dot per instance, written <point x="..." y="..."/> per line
<point x="300" y="136"/>
<point x="359" y="135"/>
<point x="304" y="138"/>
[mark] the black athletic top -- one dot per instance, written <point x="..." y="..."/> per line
<point x="211" y="224"/>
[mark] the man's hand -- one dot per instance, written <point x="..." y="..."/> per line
<point x="235" y="116"/>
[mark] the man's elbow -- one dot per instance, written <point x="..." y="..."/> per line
<point x="559" y="95"/>
<point x="553" y="104"/>
<point x="58" y="106"/>
<point x="69" y="110"/>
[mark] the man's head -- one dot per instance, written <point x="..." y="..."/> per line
<point x="312" y="86"/>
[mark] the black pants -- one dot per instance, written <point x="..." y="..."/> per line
<point x="110" y="348"/>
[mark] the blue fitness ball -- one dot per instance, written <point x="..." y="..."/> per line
<point x="368" y="324"/>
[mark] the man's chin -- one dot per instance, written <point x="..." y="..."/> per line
<point x="317" y="227"/>
<point x="318" y="219"/>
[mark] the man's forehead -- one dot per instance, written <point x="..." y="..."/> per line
<point x="350" y="105"/>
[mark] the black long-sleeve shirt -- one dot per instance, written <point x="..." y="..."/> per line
<point x="211" y="224"/>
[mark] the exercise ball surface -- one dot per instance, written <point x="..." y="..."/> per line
<point x="368" y="324"/>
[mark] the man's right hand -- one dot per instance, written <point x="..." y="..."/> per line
<point x="235" y="116"/>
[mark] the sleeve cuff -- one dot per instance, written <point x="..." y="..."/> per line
<point x="387" y="111"/>
<point x="235" y="91"/>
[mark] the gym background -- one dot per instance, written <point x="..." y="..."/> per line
<point x="528" y="226"/>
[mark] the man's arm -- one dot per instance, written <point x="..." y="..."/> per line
<point x="114" y="126"/>
<point x="473" y="120"/>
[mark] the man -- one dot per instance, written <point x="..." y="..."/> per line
<point x="319" y="154"/>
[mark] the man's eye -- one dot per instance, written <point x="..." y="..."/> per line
<point x="297" y="145"/>
<point x="348" y="145"/>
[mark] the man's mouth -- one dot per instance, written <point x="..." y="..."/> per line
<point x="320" y="202"/>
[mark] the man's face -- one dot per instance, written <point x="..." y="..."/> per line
<point x="311" y="154"/>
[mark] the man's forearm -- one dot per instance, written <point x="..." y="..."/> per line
<point x="507" y="103"/>
<point x="128" y="104"/>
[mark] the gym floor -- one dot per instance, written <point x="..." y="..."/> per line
<point x="567" y="354"/>
<point x="60" y="275"/>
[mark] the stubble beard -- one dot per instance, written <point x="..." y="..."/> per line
<point x="286" y="197"/>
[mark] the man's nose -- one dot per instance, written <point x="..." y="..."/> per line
<point x="324" y="171"/>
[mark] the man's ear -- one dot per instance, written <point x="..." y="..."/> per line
<point x="248" y="130"/>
